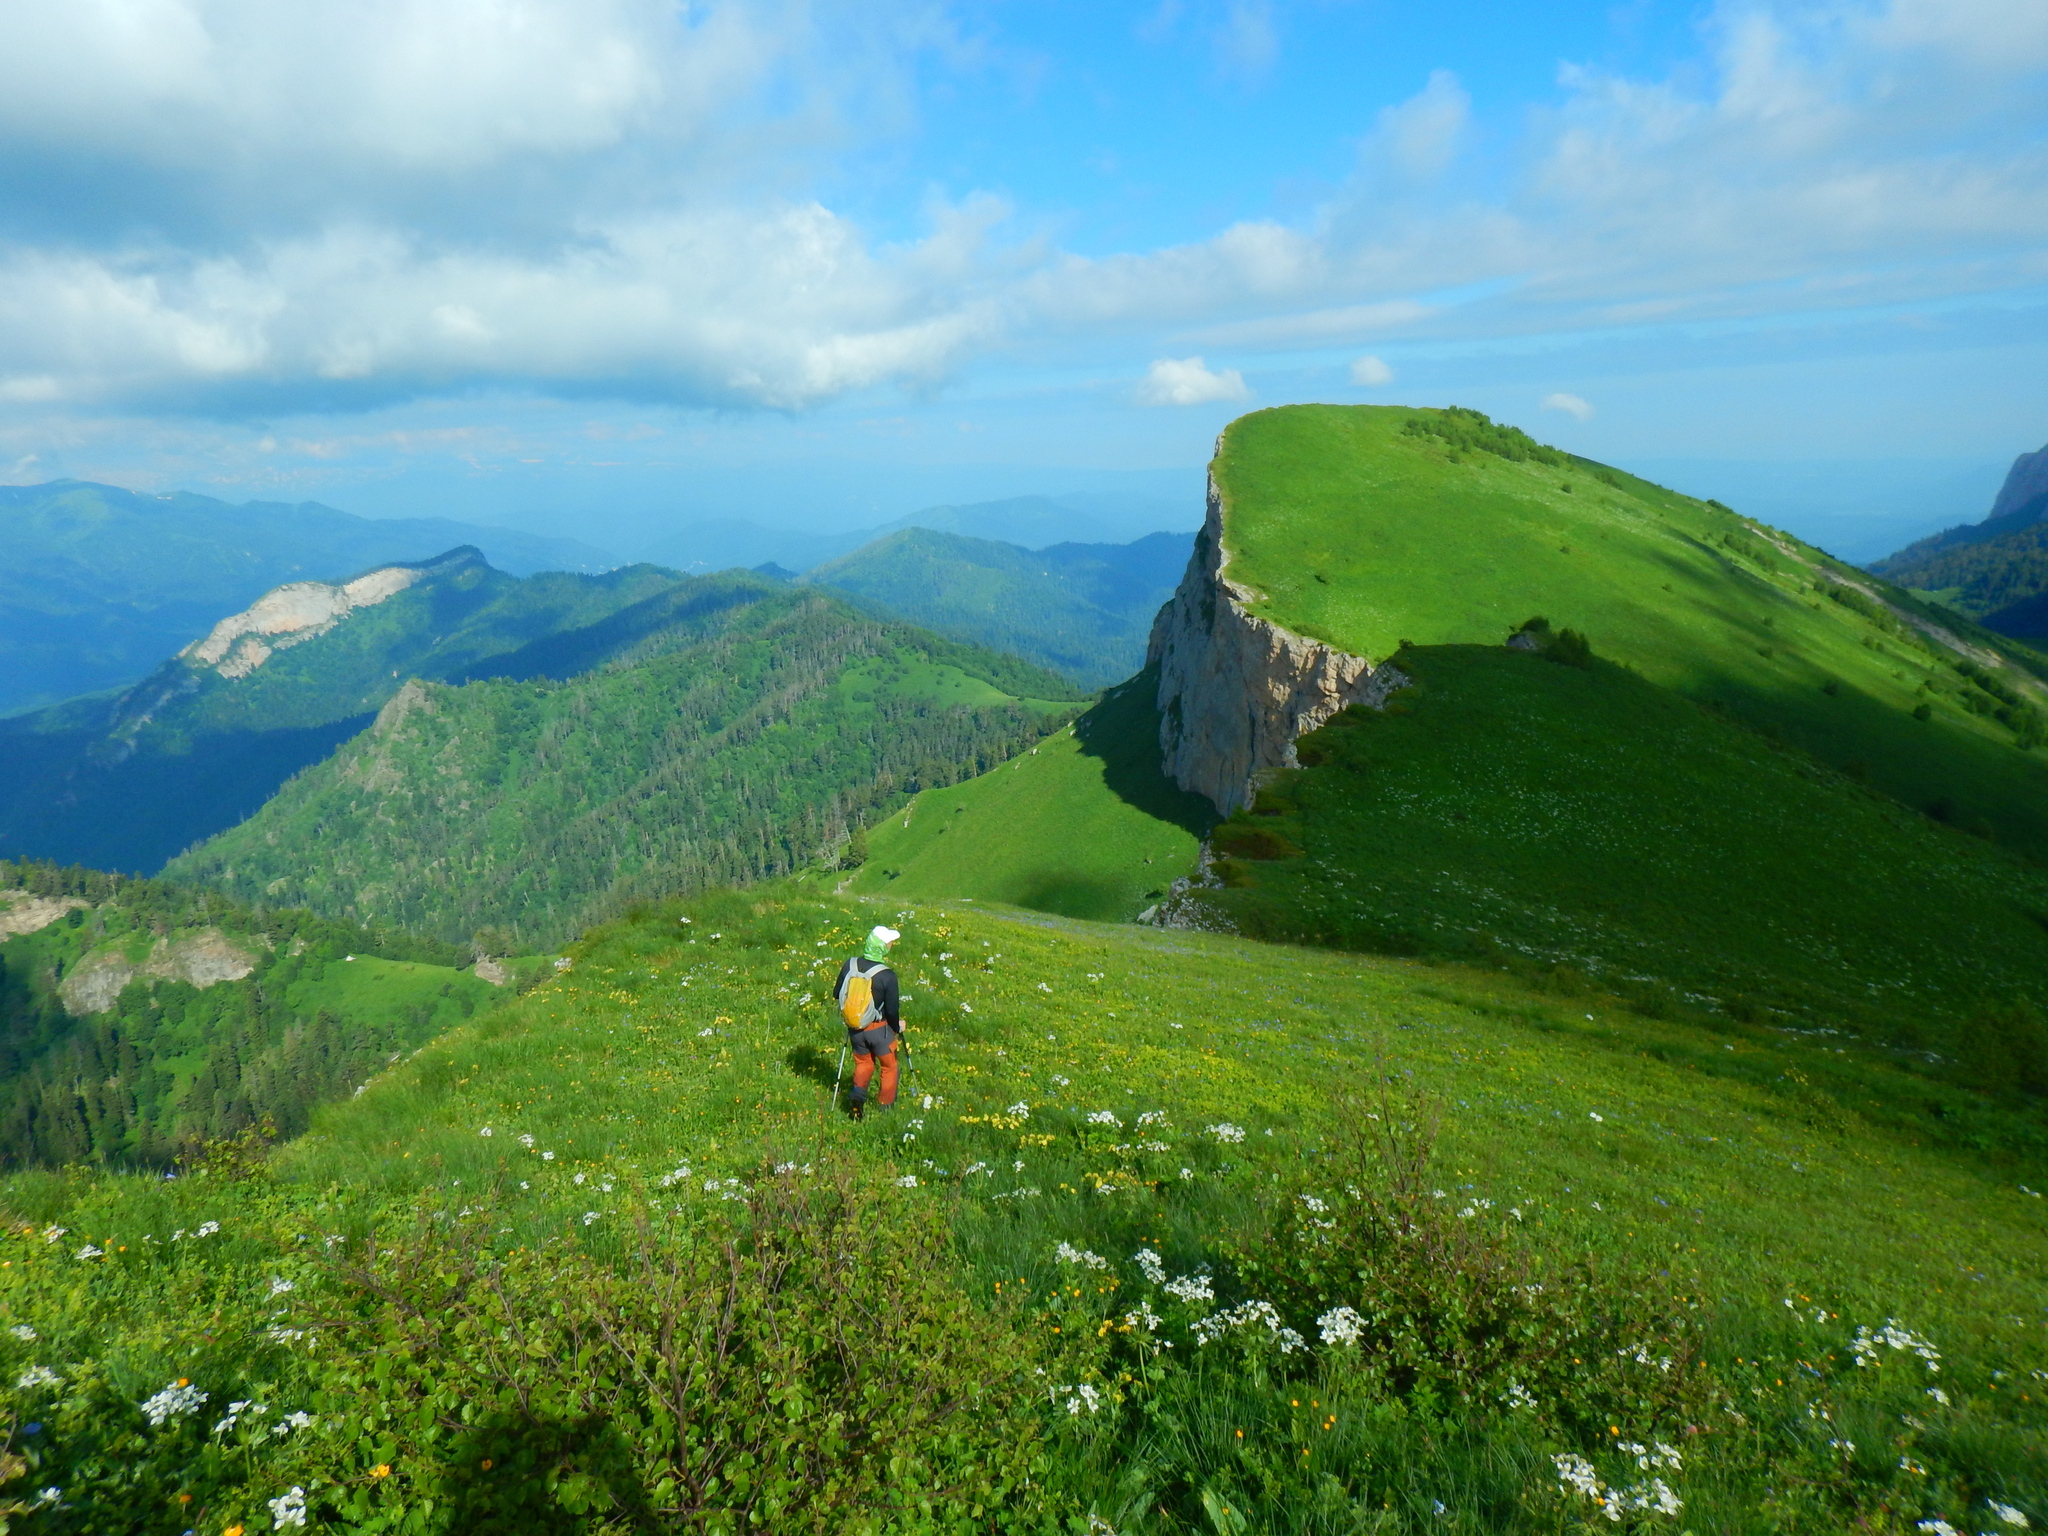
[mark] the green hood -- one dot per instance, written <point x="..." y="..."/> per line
<point x="874" y="949"/>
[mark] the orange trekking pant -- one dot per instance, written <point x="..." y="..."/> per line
<point x="864" y="1069"/>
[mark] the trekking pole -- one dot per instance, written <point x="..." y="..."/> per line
<point x="837" y="1073"/>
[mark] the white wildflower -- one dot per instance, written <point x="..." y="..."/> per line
<point x="547" y="1157"/>
<point x="526" y="1140"/>
<point x="1144" y="1318"/>
<point x="589" y="1217"/>
<point x="486" y="1131"/>
<point x="278" y="1285"/>
<point x="38" y="1376"/>
<point x="1149" y="1266"/>
<point x="1021" y="1110"/>
<point x="207" y="1229"/>
<point x="1341" y="1325"/>
<point x="178" y="1400"/>
<point x="23" y="1332"/>
<point x="91" y="1252"/>
<point x="908" y="1181"/>
<point x="49" y="1498"/>
<point x="288" y="1508"/>
<point x="1937" y="1528"/>
<point x="51" y="1234"/>
<point x="2007" y="1515"/>
<point x="1079" y="1398"/>
<point x="1594" y="1114"/>
<point x="1866" y="1345"/>
<point x="1067" y="1253"/>
<point x="1226" y="1132"/>
<point x="1191" y="1288"/>
<point x="1518" y="1396"/>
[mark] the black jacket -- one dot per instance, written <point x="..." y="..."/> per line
<point x="883" y="980"/>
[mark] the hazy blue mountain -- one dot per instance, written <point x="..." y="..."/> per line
<point x="126" y="780"/>
<point x="100" y="584"/>
<point x="1995" y="571"/>
<point x="1034" y="522"/>
<point x="1083" y="610"/>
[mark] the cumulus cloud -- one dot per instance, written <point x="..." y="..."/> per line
<point x="1369" y="372"/>
<point x="378" y="199"/>
<point x="1571" y="405"/>
<point x="1188" y="381"/>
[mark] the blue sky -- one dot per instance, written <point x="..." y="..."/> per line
<point x="608" y="266"/>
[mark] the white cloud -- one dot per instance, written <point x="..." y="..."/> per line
<point x="1571" y="405"/>
<point x="1246" y="42"/>
<point x="1421" y="135"/>
<point x="1188" y="381"/>
<point x="1369" y="372"/>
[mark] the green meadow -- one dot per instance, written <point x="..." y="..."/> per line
<point x="1083" y="824"/>
<point x="1360" y="532"/>
<point x="1170" y="1232"/>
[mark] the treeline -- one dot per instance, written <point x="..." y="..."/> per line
<point x="171" y="1066"/>
<point x="738" y="753"/>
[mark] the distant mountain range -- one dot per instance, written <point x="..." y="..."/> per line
<point x="1031" y="522"/>
<point x="100" y="584"/>
<point x="1995" y="571"/>
<point x="1083" y="610"/>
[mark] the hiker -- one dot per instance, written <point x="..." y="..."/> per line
<point x="869" y="1003"/>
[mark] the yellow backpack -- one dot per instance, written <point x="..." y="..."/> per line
<point x="857" y="997"/>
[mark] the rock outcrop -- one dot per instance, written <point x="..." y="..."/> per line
<point x="1235" y="690"/>
<point x="202" y="958"/>
<point x="300" y="610"/>
<point x="2026" y="484"/>
<point x="21" y="912"/>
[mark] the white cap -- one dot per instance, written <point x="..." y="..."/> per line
<point x="886" y="935"/>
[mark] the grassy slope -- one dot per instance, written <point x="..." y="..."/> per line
<point x="1750" y="1166"/>
<point x="1083" y="824"/>
<point x="1411" y="545"/>
<point x="1591" y="819"/>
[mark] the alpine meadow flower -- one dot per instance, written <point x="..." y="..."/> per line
<point x="288" y="1509"/>
<point x="1341" y="1325"/>
<point x="1149" y="1266"/>
<point x="178" y="1400"/>
<point x="38" y="1376"/>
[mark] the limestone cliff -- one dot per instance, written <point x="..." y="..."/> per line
<point x="1235" y="690"/>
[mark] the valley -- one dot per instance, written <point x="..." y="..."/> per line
<point x="1480" y="994"/>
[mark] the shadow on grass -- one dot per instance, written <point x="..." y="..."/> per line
<point x="1123" y="732"/>
<point x="812" y="1064"/>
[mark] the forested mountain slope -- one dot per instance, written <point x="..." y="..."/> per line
<point x="126" y="781"/>
<point x="1081" y="609"/>
<point x="746" y="737"/>
<point x="100" y="584"/>
<point x="140" y="1019"/>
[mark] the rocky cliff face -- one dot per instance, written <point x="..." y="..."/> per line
<point x="201" y="958"/>
<point x="2025" y="483"/>
<point x="1235" y="691"/>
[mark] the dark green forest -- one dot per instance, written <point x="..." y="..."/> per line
<point x="2001" y="582"/>
<point x="172" y="1066"/>
<point x="746" y="743"/>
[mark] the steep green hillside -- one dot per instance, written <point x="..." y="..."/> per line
<point x="1083" y="610"/>
<point x="2001" y="581"/>
<point x="742" y="739"/>
<point x="1175" y="1233"/>
<point x="138" y="1019"/>
<point x="127" y="781"/>
<point x="100" y="584"/>
<point x="1365" y="525"/>
<point x="1582" y="817"/>
<point x="1083" y="824"/>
